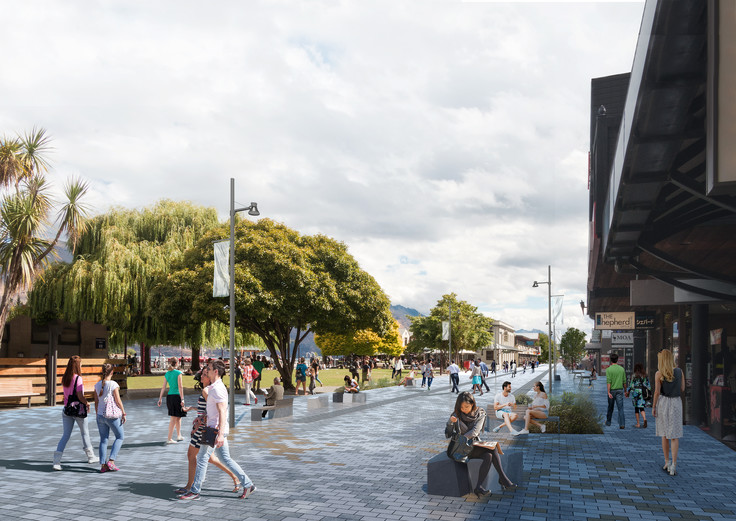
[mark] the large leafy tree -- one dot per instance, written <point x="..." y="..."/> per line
<point x="362" y="343"/>
<point x="470" y="330"/>
<point x="284" y="283"/>
<point x="117" y="261"/>
<point x="543" y="348"/>
<point x="572" y="346"/>
<point x="26" y="210"/>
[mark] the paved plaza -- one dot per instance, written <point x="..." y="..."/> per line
<point x="361" y="463"/>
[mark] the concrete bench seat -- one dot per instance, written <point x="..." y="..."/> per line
<point x="349" y="397"/>
<point x="282" y="409"/>
<point x="446" y="477"/>
<point x="319" y="402"/>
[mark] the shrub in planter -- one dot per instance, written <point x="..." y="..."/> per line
<point x="577" y="413"/>
<point x="523" y="399"/>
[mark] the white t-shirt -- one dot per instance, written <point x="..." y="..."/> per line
<point x="506" y="401"/>
<point x="399" y="365"/>
<point x="216" y="393"/>
<point x="109" y="388"/>
<point x="453" y="369"/>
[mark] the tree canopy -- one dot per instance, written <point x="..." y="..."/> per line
<point x="284" y="281"/>
<point x="543" y="348"/>
<point x="471" y="330"/>
<point x="117" y="261"/>
<point x="364" y="343"/>
<point x="572" y="346"/>
<point x="26" y="212"/>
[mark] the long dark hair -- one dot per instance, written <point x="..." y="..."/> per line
<point x="73" y="366"/>
<point x="541" y="386"/>
<point x="465" y="397"/>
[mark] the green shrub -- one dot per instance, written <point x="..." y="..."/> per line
<point x="577" y="413"/>
<point x="378" y="383"/>
<point x="523" y="399"/>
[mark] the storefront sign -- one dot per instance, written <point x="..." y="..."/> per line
<point x="100" y="343"/>
<point x="645" y="320"/>
<point x="625" y="320"/>
<point x="626" y="338"/>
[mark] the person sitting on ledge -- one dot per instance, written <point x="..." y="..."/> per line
<point x="274" y="394"/>
<point x="408" y="379"/>
<point x="351" y="385"/>
<point x="539" y="409"/>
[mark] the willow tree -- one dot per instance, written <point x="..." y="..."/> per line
<point x="26" y="211"/>
<point x="364" y="342"/>
<point x="117" y="261"/>
<point x="284" y="282"/>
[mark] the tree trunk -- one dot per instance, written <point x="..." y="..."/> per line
<point x="145" y="359"/>
<point x="195" y="359"/>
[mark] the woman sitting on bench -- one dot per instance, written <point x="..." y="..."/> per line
<point x="539" y="408"/>
<point x="470" y="420"/>
<point x="408" y="379"/>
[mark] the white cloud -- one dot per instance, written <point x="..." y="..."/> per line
<point x="451" y="135"/>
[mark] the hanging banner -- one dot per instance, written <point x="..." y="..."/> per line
<point x="221" y="283"/>
<point x="557" y="315"/>
<point x="445" y="330"/>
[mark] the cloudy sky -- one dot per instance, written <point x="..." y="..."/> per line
<point x="444" y="142"/>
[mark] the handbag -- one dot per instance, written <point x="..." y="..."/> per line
<point x="73" y="406"/>
<point x="210" y="436"/>
<point x="460" y="446"/>
<point x="199" y="422"/>
<point x="112" y="411"/>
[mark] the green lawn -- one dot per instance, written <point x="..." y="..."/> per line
<point x="329" y="377"/>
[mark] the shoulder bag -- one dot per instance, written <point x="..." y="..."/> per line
<point x="112" y="411"/>
<point x="73" y="406"/>
<point x="209" y="437"/>
<point x="460" y="446"/>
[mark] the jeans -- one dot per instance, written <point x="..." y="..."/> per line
<point x="223" y="453"/>
<point x="249" y="395"/>
<point x="455" y="379"/>
<point x="105" y="425"/>
<point x="68" y="422"/>
<point x="424" y="380"/>
<point x="429" y="382"/>
<point x="483" y="382"/>
<point x="618" y="399"/>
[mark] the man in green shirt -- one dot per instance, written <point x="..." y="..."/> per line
<point x="616" y="385"/>
<point x="258" y="366"/>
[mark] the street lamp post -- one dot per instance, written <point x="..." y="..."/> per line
<point x="549" y="320"/>
<point x="252" y="210"/>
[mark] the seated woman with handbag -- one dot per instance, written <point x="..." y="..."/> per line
<point x="351" y="385"/>
<point x="464" y="426"/>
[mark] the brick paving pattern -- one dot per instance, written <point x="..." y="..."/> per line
<point x="363" y="463"/>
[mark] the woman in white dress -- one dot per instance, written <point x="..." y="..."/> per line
<point x="667" y="407"/>
<point x="539" y="409"/>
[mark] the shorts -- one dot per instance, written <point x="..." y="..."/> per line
<point x="301" y="379"/>
<point x="173" y="403"/>
<point x="500" y="413"/>
<point x="196" y="440"/>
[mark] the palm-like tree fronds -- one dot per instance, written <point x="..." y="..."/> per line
<point x="73" y="215"/>
<point x="10" y="165"/>
<point x="34" y="145"/>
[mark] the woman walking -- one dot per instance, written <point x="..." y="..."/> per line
<point x="198" y="426"/>
<point x="74" y="392"/>
<point x="174" y="400"/>
<point x="470" y="419"/>
<point x="640" y="391"/>
<point x="110" y="417"/>
<point x="477" y="377"/>
<point x="667" y="407"/>
<point x="249" y="376"/>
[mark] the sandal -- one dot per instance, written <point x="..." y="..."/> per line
<point x="236" y="489"/>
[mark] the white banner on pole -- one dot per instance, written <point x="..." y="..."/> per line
<point x="221" y="283"/>
<point x="557" y="316"/>
<point x="445" y="330"/>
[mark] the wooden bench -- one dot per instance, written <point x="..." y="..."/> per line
<point x="282" y="409"/>
<point x="17" y="388"/>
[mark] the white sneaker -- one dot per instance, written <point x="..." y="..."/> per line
<point x="522" y="431"/>
<point x="169" y="442"/>
<point x="57" y="467"/>
<point x="543" y="428"/>
<point x="496" y="429"/>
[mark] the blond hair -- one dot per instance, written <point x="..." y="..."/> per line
<point x="666" y="364"/>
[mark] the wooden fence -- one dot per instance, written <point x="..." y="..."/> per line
<point x="34" y="369"/>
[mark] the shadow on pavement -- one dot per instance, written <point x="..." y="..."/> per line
<point x="147" y="444"/>
<point x="156" y="490"/>
<point x="45" y="466"/>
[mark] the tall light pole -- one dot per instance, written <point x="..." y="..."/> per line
<point x="252" y="210"/>
<point x="549" y="320"/>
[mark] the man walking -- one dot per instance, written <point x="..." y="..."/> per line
<point x="616" y="385"/>
<point x="484" y="375"/>
<point x="454" y="371"/>
<point x="258" y="365"/>
<point x="217" y="418"/>
<point x="399" y="367"/>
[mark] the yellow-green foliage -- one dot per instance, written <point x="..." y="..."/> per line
<point x="362" y="342"/>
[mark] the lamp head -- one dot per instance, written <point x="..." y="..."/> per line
<point x="535" y="285"/>
<point x="253" y="210"/>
